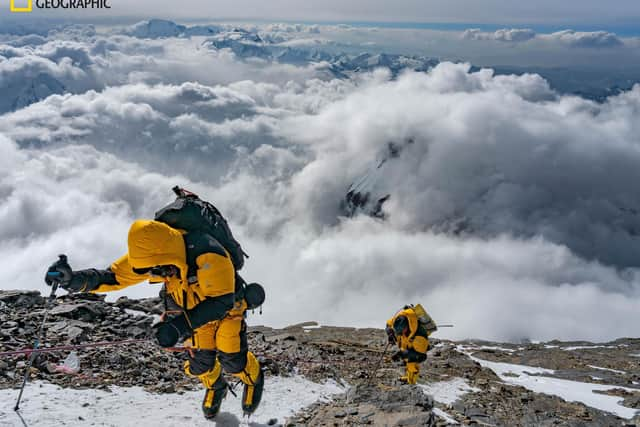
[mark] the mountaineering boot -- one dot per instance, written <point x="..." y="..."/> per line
<point x="412" y="373"/>
<point x="213" y="398"/>
<point x="253" y="379"/>
<point x="215" y="388"/>
<point x="252" y="394"/>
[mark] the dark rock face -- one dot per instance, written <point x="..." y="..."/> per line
<point x="22" y="299"/>
<point x="370" y="405"/>
<point x="368" y="194"/>
<point x="350" y="355"/>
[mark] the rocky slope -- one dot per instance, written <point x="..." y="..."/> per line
<point x="473" y="383"/>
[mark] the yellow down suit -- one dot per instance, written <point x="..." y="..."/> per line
<point x="412" y="340"/>
<point x="202" y="290"/>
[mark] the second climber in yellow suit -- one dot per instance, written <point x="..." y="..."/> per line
<point x="200" y="280"/>
<point x="412" y="339"/>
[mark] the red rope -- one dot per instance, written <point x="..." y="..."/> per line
<point x="323" y="360"/>
<point x="72" y="347"/>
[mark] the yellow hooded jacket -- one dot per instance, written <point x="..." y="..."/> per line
<point x="205" y="267"/>
<point x="414" y="340"/>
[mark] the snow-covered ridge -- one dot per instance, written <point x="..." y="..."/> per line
<point x="247" y="45"/>
<point x="160" y="28"/>
<point x="38" y="75"/>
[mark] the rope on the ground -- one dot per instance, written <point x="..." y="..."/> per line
<point x="28" y="351"/>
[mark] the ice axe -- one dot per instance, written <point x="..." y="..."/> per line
<point x="55" y="277"/>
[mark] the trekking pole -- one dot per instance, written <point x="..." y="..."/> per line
<point x="375" y="371"/>
<point x="36" y="343"/>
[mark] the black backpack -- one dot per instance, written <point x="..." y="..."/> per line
<point x="190" y="213"/>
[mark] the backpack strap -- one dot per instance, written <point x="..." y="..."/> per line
<point x="197" y="243"/>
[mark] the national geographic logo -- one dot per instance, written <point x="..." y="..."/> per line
<point x="21" y="8"/>
<point x="27" y="5"/>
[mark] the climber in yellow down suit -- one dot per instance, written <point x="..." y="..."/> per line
<point x="412" y="339"/>
<point x="200" y="282"/>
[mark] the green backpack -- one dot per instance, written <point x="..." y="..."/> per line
<point x="424" y="320"/>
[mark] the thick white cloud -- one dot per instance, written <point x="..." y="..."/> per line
<point x="593" y="39"/>
<point x="79" y="201"/>
<point x="501" y="288"/>
<point x="571" y="38"/>
<point x="75" y="59"/>
<point x="28" y="74"/>
<point x="488" y="154"/>
<point x="66" y="200"/>
<point x="505" y="192"/>
<point x="28" y="40"/>
<point x="292" y="28"/>
<point x="503" y="35"/>
<point x="192" y="127"/>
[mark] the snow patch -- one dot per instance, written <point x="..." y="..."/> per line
<point x="448" y="392"/>
<point x="512" y="369"/>
<point x="440" y="413"/>
<point x="133" y="406"/>
<point x="571" y="391"/>
<point x="139" y="313"/>
<point x="470" y="348"/>
<point x="306" y="328"/>
<point x="586" y="347"/>
<point x="607" y="369"/>
<point x="136" y="313"/>
<point x="496" y="348"/>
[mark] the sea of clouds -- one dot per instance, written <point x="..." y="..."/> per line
<point x="97" y="128"/>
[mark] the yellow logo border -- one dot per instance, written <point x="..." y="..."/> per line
<point x="29" y="7"/>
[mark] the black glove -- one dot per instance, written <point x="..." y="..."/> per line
<point x="168" y="333"/>
<point x="391" y="336"/>
<point x="60" y="272"/>
<point x="397" y="356"/>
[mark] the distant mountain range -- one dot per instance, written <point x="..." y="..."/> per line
<point x="270" y="46"/>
